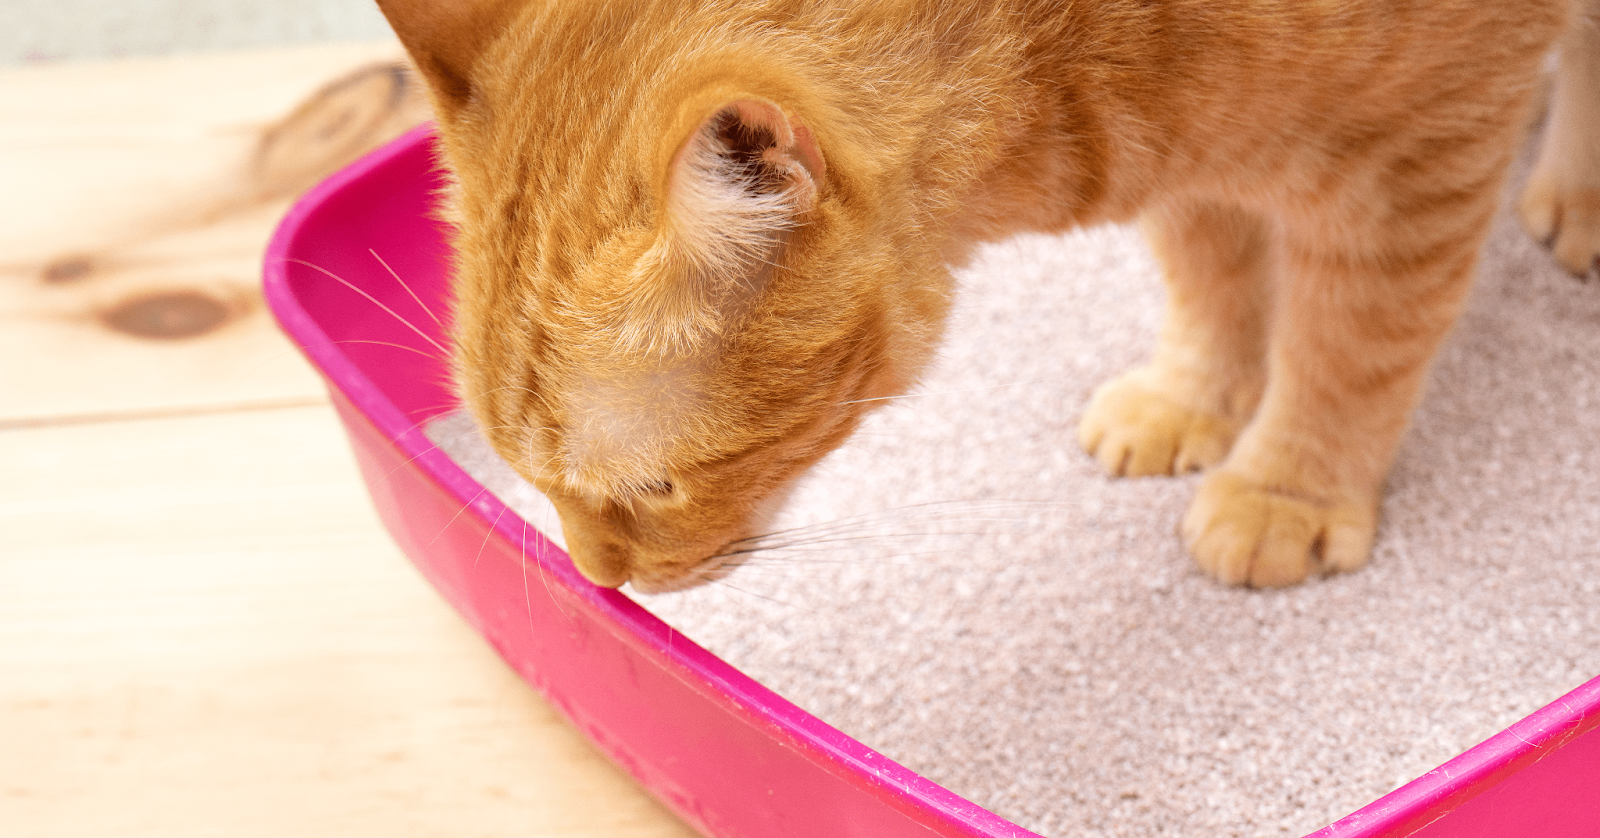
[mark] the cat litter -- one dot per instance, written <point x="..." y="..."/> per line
<point x="983" y="636"/>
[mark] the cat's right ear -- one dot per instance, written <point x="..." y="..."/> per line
<point x="748" y="173"/>
<point x="445" y="38"/>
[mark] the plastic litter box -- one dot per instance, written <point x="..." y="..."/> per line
<point x="731" y="757"/>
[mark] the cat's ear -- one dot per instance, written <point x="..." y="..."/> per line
<point x="446" y="38"/>
<point x="748" y="173"/>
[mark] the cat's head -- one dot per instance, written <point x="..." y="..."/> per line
<point x="674" y="288"/>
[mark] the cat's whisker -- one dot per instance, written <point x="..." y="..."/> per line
<point x="484" y="544"/>
<point x="800" y="546"/>
<point x="277" y="356"/>
<point x="412" y="349"/>
<point x="814" y="527"/>
<point x="529" y="458"/>
<point x="527" y="594"/>
<point x="884" y="460"/>
<point x="930" y="509"/>
<point x="922" y="394"/>
<point x="464" y="508"/>
<point x="543" y="398"/>
<point x="436" y="446"/>
<point x="766" y="572"/>
<point x="430" y="412"/>
<point x="802" y="549"/>
<point x="374" y="300"/>
<point x="815" y="554"/>
<point x="538" y="559"/>
<point x="489" y="531"/>
<point x="866" y="526"/>
<point x="724" y="584"/>
<point x="841" y="536"/>
<point x="781" y="563"/>
<point x="823" y="545"/>
<point x="420" y="303"/>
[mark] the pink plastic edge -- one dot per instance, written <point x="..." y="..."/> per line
<point x="1402" y="812"/>
<point x="1440" y="792"/>
<point x="896" y="785"/>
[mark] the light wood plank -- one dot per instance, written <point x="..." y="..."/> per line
<point x="90" y="148"/>
<point x="151" y="180"/>
<point x="204" y="630"/>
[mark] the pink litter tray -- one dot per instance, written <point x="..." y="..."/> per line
<point x="731" y="757"/>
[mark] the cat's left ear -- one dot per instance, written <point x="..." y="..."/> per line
<point x="749" y="172"/>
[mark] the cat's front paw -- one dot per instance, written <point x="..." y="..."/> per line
<point x="1244" y="533"/>
<point x="1136" y="427"/>
<point x="1564" y="213"/>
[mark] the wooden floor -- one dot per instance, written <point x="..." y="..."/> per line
<point x="204" y="630"/>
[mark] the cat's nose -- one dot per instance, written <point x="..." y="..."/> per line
<point x="600" y="559"/>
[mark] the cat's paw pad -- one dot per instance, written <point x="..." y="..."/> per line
<point x="1243" y="533"/>
<point x="1135" y="430"/>
<point x="1565" y="215"/>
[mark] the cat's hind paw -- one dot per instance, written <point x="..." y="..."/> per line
<point x="1560" y="206"/>
<point x="1135" y="429"/>
<point x="1243" y="533"/>
<point x="1566" y="217"/>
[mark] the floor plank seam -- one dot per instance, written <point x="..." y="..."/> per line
<point x="30" y="423"/>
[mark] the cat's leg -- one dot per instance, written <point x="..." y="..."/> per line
<point x="1356" y="325"/>
<point x="1182" y="411"/>
<point x="1561" y="203"/>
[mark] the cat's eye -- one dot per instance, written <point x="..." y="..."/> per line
<point x="658" y="488"/>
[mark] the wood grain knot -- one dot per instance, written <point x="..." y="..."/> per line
<point x="168" y="315"/>
<point x="339" y="123"/>
<point x="67" y="269"/>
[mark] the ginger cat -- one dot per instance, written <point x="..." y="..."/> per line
<point x="696" y="242"/>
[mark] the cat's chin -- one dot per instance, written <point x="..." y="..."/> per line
<point x="714" y="570"/>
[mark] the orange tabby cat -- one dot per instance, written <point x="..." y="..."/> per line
<point x="697" y="240"/>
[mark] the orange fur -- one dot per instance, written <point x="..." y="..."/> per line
<point x="663" y="340"/>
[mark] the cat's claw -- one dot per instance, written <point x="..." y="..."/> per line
<point x="1135" y="430"/>
<point x="1243" y="533"/>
